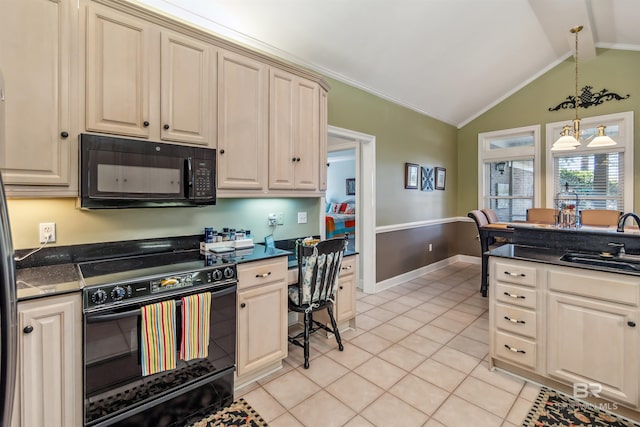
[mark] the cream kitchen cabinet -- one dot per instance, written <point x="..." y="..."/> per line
<point x="294" y="136"/>
<point x="37" y="43"/>
<point x="49" y="374"/>
<point x="324" y="133"/>
<point x="592" y="332"/>
<point x="242" y="122"/>
<point x="514" y="321"/>
<point x="262" y="318"/>
<point x="143" y="80"/>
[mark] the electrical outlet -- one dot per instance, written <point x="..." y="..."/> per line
<point x="272" y="219"/>
<point x="430" y="247"/>
<point x="302" y="217"/>
<point x="47" y="232"/>
<point x="280" y="218"/>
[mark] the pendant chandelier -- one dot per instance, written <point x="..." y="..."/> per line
<point x="570" y="135"/>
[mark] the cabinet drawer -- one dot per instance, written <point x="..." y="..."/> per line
<point x="261" y="272"/>
<point x="606" y="286"/>
<point x="515" y="273"/>
<point x="514" y="349"/>
<point x="514" y="319"/>
<point x="348" y="266"/>
<point x="517" y="295"/>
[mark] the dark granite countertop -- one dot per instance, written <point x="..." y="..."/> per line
<point x="549" y="256"/>
<point x="37" y="282"/>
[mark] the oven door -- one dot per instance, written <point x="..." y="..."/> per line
<point x="113" y="381"/>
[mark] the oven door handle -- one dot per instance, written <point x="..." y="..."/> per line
<point x="96" y="318"/>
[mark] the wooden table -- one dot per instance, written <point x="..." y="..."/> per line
<point x="486" y="234"/>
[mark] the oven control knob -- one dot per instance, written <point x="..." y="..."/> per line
<point x="99" y="297"/>
<point x="117" y="293"/>
<point x="217" y="275"/>
<point x="229" y="273"/>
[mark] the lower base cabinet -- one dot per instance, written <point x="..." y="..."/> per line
<point x="262" y="317"/>
<point x="49" y="371"/>
<point x="586" y="337"/>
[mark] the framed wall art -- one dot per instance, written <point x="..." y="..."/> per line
<point x="351" y="186"/>
<point x="426" y="181"/>
<point x="411" y="173"/>
<point x="440" y="178"/>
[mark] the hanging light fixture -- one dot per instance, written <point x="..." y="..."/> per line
<point x="570" y="135"/>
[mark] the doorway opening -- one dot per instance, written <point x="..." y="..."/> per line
<point x="351" y="185"/>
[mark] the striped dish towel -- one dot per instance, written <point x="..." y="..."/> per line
<point x="158" y="337"/>
<point x="196" y="314"/>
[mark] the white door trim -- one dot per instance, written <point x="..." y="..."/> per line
<point x="365" y="146"/>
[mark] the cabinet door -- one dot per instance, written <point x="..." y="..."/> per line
<point x="324" y="133"/>
<point x="36" y="38"/>
<point x="346" y="297"/>
<point x="591" y="342"/>
<point x="262" y="326"/>
<point x="186" y="80"/>
<point x="293" y="132"/>
<point x="307" y="135"/>
<point x="282" y="132"/>
<point x="118" y="55"/>
<point x="242" y="122"/>
<point x="50" y="358"/>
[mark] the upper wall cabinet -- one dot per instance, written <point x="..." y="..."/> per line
<point x="38" y="60"/>
<point x="145" y="81"/>
<point x="324" y="133"/>
<point x="242" y="122"/>
<point x="293" y="132"/>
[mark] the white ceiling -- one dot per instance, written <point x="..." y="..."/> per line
<point x="449" y="59"/>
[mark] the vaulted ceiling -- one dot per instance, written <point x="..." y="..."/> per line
<point x="448" y="59"/>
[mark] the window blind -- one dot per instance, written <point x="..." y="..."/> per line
<point x="597" y="178"/>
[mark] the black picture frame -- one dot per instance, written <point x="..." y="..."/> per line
<point x="440" y="177"/>
<point x="351" y="186"/>
<point x="411" y="174"/>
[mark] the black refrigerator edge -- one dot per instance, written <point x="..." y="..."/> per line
<point x="8" y="316"/>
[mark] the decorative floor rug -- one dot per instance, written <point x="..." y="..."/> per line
<point x="553" y="409"/>
<point x="238" y="414"/>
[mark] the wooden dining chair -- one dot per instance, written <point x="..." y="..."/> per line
<point x="542" y="215"/>
<point x="600" y="217"/>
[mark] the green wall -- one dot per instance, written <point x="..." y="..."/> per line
<point x="402" y="135"/>
<point x="615" y="70"/>
<point x="75" y="226"/>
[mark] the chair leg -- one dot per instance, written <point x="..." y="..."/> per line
<point x="484" y="280"/>
<point x="307" y="329"/>
<point x="335" y="327"/>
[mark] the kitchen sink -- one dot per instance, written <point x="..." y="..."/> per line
<point x="602" y="260"/>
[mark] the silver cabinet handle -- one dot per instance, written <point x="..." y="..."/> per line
<point x="514" y="274"/>
<point x="522" y="322"/>
<point x="346" y="268"/>
<point x="515" y="296"/>
<point x="263" y="275"/>
<point x="515" y="350"/>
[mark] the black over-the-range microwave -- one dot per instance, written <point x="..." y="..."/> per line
<point x="127" y="173"/>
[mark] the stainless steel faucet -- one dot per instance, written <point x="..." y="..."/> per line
<point x="624" y="217"/>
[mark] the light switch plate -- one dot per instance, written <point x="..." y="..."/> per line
<point x="302" y="217"/>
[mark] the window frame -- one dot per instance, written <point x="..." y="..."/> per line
<point x="486" y="155"/>
<point x="625" y="140"/>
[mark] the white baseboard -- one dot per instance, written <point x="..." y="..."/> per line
<point x="410" y="275"/>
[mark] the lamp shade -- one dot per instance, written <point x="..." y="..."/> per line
<point x="602" y="140"/>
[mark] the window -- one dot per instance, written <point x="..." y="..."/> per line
<point x="601" y="177"/>
<point x="508" y="177"/>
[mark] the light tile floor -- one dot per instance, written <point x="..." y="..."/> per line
<point x="417" y="358"/>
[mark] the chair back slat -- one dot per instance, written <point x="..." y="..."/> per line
<point x="318" y="268"/>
